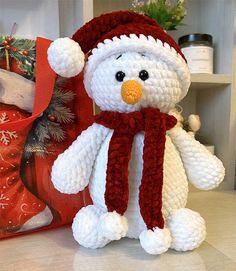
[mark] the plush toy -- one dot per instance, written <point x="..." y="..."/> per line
<point x="20" y="210"/>
<point x="136" y="162"/>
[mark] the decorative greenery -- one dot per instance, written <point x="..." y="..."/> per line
<point x="48" y="127"/>
<point x="169" y="14"/>
<point x="186" y="125"/>
<point x="192" y="124"/>
<point x="23" y="51"/>
<point x="19" y="55"/>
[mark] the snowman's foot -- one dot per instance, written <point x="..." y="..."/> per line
<point x="187" y="229"/>
<point x="42" y="219"/>
<point x="155" y="241"/>
<point x="86" y="226"/>
<point x="113" y="225"/>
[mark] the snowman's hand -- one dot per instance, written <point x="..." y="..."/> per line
<point x="204" y="170"/>
<point x="72" y="169"/>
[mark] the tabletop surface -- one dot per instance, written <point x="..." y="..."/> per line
<point x="57" y="250"/>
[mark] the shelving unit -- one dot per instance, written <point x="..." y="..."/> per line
<point x="213" y="97"/>
<point x="203" y="81"/>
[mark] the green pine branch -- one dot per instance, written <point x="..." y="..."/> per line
<point x="62" y="113"/>
<point x="58" y="106"/>
<point x="168" y="15"/>
<point x="57" y="133"/>
<point x="44" y="130"/>
<point x="62" y="96"/>
<point x="38" y="148"/>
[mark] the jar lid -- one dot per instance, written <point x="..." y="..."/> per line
<point x="197" y="37"/>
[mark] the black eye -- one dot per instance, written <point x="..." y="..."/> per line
<point x="120" y="76"/>
<point x="143" y="75"/>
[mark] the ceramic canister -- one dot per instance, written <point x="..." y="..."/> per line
<point x="198" y="50"/>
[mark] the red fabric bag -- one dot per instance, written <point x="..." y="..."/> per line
<point x="28" y="200"/>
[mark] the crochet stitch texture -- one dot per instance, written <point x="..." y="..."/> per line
<point x="125" y="126"/>
<point x="137" y="171"/>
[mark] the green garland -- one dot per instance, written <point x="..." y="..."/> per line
<point x="48" y="127"/>
<point x="168" y="14"/>
<point x="23" y="51"/>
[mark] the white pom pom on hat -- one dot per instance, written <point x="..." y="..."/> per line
<point x="113" y="33"/>
<point x="66" y="57"/>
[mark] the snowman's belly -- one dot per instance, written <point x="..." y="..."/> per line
<point x="175" y="187"/>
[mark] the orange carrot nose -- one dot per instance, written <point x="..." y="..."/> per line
<point x="131" y="92"/>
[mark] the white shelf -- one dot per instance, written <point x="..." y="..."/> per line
<point x="204" y="81"/>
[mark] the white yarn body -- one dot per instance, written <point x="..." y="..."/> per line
<point x="175" y="188"/>
<point x="85" y="162"/>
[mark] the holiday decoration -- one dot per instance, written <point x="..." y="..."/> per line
<point x="191" y="125"/>
<point x="47" y="128"/>
<point x="6" y="136"/>
<point x="19" y="208"/>
<point x="135" y="159"/>
<point x="18" y="55"/>
<point x="38" y="120"/>
<point x="194" y="123"/>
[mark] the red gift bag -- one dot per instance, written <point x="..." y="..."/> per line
<point x="28" y="200"/>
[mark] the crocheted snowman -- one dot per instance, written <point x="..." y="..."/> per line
<point x="136" y="162"/>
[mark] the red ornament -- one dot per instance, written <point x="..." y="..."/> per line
<point x="14" y="49"/>
<point x="25" y="53"/>
<point x="5" y="42"/>
<point x="9" y="39"/>
<point x="52" y="118"/>
<point x="8" y="47"/>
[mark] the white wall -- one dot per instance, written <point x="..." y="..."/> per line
<point x="47" y="18"/>
<point x="73" y="14"/>
<point x="33" y="17"/>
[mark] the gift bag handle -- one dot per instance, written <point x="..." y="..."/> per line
<point x="45" y="81"/>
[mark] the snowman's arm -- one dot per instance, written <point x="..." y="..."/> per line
<point x="72" y="169"/>
<point x="204" y="170"/>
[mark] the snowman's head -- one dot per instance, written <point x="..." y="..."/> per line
<point x="132" y="63"/>
<point x="129" y="81"/>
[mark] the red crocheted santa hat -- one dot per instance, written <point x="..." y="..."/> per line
<point x="116" y="33"/>
<point x="120" y="23"/>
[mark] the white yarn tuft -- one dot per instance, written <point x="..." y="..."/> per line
<point x="66" y="57"/>
<point x="188" y="229"/>
<point x="155" y="242"/>
<point x="85" y="228"/>
<point x="113" y="226"/>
